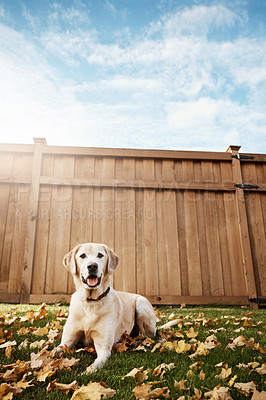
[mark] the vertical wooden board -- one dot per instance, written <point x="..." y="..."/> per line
<point x="128" y="229"/>
<point x="258" y="241"/>
<point x="178" y="171"/>
<point x="180" y="208"/>
<point x="171" y="232"/>
<point x="203" y="248"/>
<point x="139" y="229"/>
<point x="234" y="281"/>
<point x="22" y="166"/>
<point x="118" y="244"/>
<point x="82" y="205"/>
<point x="97" y="202"/>
<point x="212" y="234"/>
<point x="151" y="260"/>
<point x="42" y="229"/>
<point x="193" y="254"/>
<point x="6" y="166"/>
<point x="257" y="231"/>
<point x="107" y="205"/>
<point x="18" y="238"/>
<point x="191" y="233"/>
<point x="163" y="273"/>
<point x="59" y="237"/>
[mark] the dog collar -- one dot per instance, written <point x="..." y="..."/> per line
<point x="101" y="296"/>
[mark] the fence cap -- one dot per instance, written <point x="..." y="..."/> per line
<point x="232" y="148"/>
<point x="39" y="140"/>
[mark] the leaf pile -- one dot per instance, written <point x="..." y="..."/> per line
<point x="196" y="355"/>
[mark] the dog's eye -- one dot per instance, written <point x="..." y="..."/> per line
<point x="83" y="255"/>
<point x="100" y="255"/>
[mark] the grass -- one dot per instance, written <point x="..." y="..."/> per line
<point x="224" y="321"/>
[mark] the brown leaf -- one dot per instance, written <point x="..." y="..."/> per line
<point x="219" y="393"/>
<point x="144" y="392"/>
<point x="261" y="370"/>
<point x="138" y="373"/>
<point x="191" y="333"/>
<point x="64" y="387"/>
<point x="162" y="368"/>
<point x="258" y="395"/>
<point x="181" y="385"/>
<point x="93" y="391"/>
<point x="245" y="388"/>
<point x="225" y="373"/>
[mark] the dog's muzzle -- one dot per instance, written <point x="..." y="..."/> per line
<point x="92" y="281"/>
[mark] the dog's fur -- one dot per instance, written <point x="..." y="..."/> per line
<point x="98" y="315"/>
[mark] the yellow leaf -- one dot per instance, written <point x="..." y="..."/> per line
<point x="201" y="351"/>
<point x="191" y="333"/>
<point x="232" y="381"/>
<point x="93" y="391"/>
<point x="182" y="347"/>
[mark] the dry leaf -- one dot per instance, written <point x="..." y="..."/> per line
<point x="219" y="393"/>
<point x="225" y="373"/>
<point x="191" y="333"/>
<point x="93" y="391"/>
<point x="162" y="368"/>
<point x="64" y="387"/>
<point x="258" y="395"/>
<point x="201" y="351"/>
<point x="261" y="370"/>
<point x="144" y="392"/>
<point x="181" y="385"/>
<point x="245" y="388"/>
<point x="138" y="373"/>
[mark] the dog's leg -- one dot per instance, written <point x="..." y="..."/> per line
<point x="103" y="347"/>
<point x="145" y="317"/>
<point x="71" y="336"/>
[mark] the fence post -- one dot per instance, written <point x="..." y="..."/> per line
<point x="32" y="220"/>
<point x="243" y="226"/>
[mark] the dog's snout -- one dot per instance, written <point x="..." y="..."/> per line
<point x="93" y="268"/>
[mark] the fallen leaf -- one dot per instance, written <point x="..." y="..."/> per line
<point x="64" y="387"/>
<point x="138" y="373"/>
<point x="181" y="385"/>
<point x="191" y="333"/>
<point x="258" y="395"/>
<point x="261" y="370"/>
<point x="219" y="393"/>
<point x="162" y="368"/>
<point x="144" y="392"/>
<point x="245" y="388"/>
<point x="93" y="391"/>
<point x="225" y="373"/>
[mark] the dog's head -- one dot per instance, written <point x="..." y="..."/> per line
<point x="91" y="264"/>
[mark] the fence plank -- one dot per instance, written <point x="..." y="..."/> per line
<point x="243" y="226"/>
<point x="31" y="222"/>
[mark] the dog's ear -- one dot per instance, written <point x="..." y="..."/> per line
<point x="69" y="261"/>
<point x="113" y="260"/>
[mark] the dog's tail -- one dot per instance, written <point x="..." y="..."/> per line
<point x="171" y="323"/>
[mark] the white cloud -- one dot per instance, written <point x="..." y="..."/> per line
<point x="168" y="87"/>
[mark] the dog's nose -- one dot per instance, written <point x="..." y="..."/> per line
<point x="92" y="268"/>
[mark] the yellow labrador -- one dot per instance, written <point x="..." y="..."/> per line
<point x="98" y="314"/>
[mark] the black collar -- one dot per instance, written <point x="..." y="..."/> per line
<point x="101" y="296"/>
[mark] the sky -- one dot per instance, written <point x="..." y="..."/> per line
<point x="152" y="74"/>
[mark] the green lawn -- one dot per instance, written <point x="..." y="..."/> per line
<point x="187" y="361"/>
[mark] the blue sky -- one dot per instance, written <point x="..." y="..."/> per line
<point x="162" y="74"/>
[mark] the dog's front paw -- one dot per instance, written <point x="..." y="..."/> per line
<point x="90" y="369"/>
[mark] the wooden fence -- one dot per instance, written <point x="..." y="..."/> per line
<point x="183" y="224"/>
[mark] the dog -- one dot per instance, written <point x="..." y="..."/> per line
<point x="98" y="314"/>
